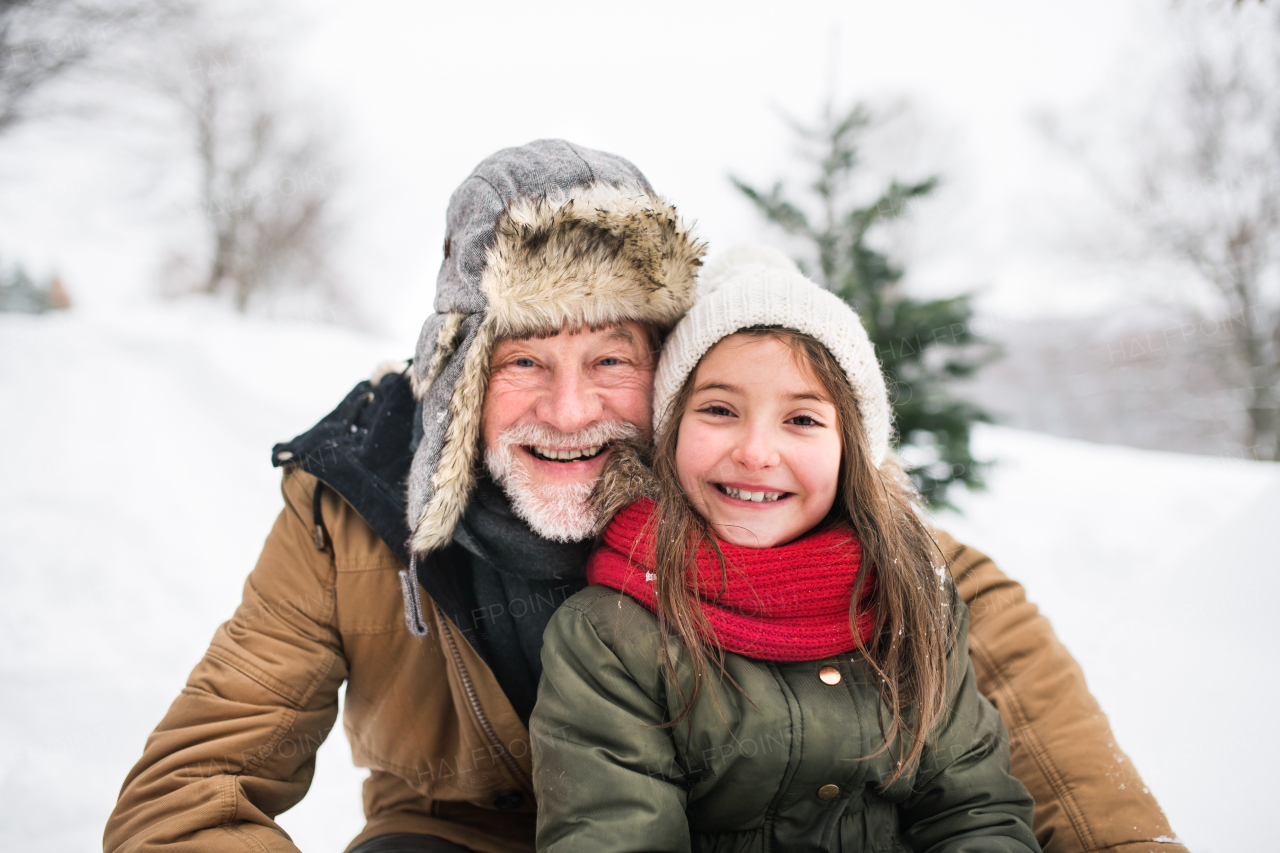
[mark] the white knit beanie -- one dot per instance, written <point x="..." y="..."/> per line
<point x="760" y="286"/>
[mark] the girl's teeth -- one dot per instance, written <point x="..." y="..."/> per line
<point x="757" y="497"/>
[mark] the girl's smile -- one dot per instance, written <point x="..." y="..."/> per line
<point x="749" y="493"/>
<point x="758" y="449"/>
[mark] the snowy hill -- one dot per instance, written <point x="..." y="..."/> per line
<point x="1159" y="571"/>
<point x="138" y="491"/>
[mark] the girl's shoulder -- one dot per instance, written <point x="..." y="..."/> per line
<point x="613" y="617"/>
<point x="607" y="634"/>
<point x="593" y="596"/>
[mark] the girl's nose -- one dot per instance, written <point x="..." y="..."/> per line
<point x="756" y="450"/>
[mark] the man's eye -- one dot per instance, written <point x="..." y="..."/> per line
<point x="524" y="362"/>
<point x="610" y="361"/>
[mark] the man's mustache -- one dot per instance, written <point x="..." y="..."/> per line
<point x="538" y="435"/>
<point x="560" y="512"/>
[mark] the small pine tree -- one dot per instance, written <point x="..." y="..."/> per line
<point x="921" y="343"/>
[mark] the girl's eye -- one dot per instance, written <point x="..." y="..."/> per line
<point x="804" y="420"/>
<point x="714" y="409"/>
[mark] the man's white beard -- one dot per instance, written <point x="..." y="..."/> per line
<point x="559" y="512"/>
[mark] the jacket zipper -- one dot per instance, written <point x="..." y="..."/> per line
<point x="507" y="758"/>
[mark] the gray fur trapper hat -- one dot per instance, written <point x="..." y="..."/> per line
<point x="539" y="238"/>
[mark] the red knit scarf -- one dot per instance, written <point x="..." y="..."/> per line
<point x="785" y="603"/>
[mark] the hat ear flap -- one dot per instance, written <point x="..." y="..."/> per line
<point x="442" y="474"/>
<point x="428" y="363"/>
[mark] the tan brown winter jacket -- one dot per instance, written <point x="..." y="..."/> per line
<point x="447" y="752"/>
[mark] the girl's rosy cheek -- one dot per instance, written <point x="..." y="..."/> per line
<point x="686" y="455"/>
<point x="696" y="456"/>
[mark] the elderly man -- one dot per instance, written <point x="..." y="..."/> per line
<point x="562" y="270"/>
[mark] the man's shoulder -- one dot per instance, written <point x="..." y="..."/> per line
<point x="966" y="564"/>
<point x="362" y="451"/>
<point x="334" y="525"/>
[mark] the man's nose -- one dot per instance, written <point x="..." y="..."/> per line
<point x="570" y="403"/>
<point x="756" y="449"/>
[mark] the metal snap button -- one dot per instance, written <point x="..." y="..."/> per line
<point x="828" y="792"/>
<point x="829" y="675"/>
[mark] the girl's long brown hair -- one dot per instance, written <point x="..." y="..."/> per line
<point x="909" y="599"/>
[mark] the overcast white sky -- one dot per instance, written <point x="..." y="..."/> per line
<point x="689" y="91"/>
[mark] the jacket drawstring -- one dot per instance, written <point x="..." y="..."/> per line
<point x="413" y="617"/>
<point x="319" y="536"/>
<point x="412" y="599"/>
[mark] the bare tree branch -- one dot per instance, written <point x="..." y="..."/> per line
<point x="1213" y="201"/>
<point x="43" y="41"/>
<point x="1203" y="190"/>
<point x="267" y="172"/>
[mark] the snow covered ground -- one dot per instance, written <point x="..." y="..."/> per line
<point x="1161" y="573"/>
<point x="137" y="491"/>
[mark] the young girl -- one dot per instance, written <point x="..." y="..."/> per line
<point x="770" y="656"/>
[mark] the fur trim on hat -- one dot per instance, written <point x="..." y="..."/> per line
<point x="597" y="257"/>
<point x="601" y="255"/>
<point x="446" y="343"/>
<point x="628" y="477"/>
<point x="454" y="477"/>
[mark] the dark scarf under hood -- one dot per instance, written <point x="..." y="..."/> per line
<point x="519" y="579"/>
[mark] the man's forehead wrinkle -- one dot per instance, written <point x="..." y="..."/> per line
<point x="622" y="333"/>
<point x="616" y="330"/>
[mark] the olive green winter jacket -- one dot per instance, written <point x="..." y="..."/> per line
<point x="791" y="773"/>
